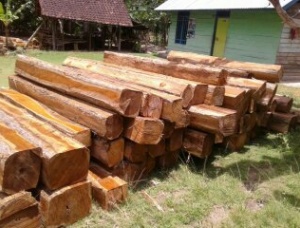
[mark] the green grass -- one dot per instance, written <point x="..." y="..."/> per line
<point x="258" y="187"/>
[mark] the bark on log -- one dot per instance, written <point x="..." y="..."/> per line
<point x="144" y="130"/>
<point x="70" y="128"/>
<point x="215" y="95"/>
<point x="198" y="143"/>
<point x="135" y="153"/>
<point x="203" y="74"/>
<point x="110" y="153"/>
<point x="114" y="97"/>
<point x="108" y="191"/>
<point x="192" y="93"/>
<point x="284" y="103"/>
<point x="58" y="150"/>
<point x="213" y="119"/>
<point x="267" y="72"/>
<point x="66" y="205"/>
<point x="20" y="163"/>
<point x="105" y="123"/>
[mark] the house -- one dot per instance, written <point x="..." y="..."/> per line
<point x="59" y="17"/>
<point x="236" y="29"/>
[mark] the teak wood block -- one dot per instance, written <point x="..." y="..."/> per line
<point x="236" y="142"/>
<point x="111" y="96"/>
<point x="233" y="97"/>
<point x="108" y="191"/>
<point x="174" y="142"/>
<point x="134" y="152"/>
<point x="215" y="95"/>
<point x="191" y="92"/>
<point x="66" y="205"/>
<point x="263" y="118"/>
<point x="105" y="123"/>
<point x="213" y="119"/>
<point x="144" y="130"/>
<point x="158" y="149"/>
<point x="283" y="103"/>
<point x="110" y="153"/>
<point x="12" y="204"/>
<point x="70" y="128"/>
<point x="282" y="122"/>
<point x="20" y="163"/>
<point x="258" y="87"/>
<point x="297" y="113"/>
<point x="198" y="143"/>
<point x="64" y="160"/>
<point x="267" y="72"/>
<point x="265" y="103"/>
<point x="203" y="74"/>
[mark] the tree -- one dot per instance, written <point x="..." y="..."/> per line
<point x="292" y="22"/>
<point x="9" y="15"/>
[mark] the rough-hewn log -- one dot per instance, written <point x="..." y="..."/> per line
<point x="215" y="95"/>
<point x="110" y="153"/>
<point x="267" y="72"/>
<point x="105" y="123"/>
<point x="191" y="92"/>
<point x="12" y="204"/>
<point x="20" y="163"/>
<point x="66" y="205"/>
<point x="174" y="142"/>
<point x="282" y="122"/>
<point x="236" y="142"/>
<point x="144" y="130"/>
<point x="213" y="119"/>
<point x="297" y="113"/>
<point x="70" y="128"/>
<point x="115" y="97"/>
<point x="258" y="87"/>
<point x="284" y="103"/>
<point x="263" y="118"/>
<point x="158" y="149"/>
<point x="108" y="191"/>
<point x="58" y="150"/>
<point x="264" y="104"/>
<point x="135" y="153"/>
<point x="204" y="74"/>
<point x="198" y="143"/>
<point x="233" y="97"/>
<point x="249" y="121"/>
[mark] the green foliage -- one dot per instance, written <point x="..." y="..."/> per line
<point x="10" y="14"/>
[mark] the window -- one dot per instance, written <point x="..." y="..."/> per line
<point x="182" y="27"/>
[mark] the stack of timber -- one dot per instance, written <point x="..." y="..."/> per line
<point x="134" y="114"/>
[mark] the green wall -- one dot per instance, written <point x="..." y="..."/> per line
<point x="203" y="35"/>
<point x="253" y="35"/>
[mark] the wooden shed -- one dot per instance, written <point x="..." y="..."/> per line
<point x="58" y="15"/>
<point x="241" y="30"/>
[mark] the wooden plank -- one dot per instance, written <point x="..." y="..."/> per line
<point x="215" y="95"/>
<point x="191" y="92"/>
<point x="114" y="97"/>
<point x="109" y="152"/>
<point x="268" y="72"/>
<point x="70" y="128"/>
<point x="265" y="102"/>
<point x="58" y="150"/>
<point x="66" y="205"/>
<point x="109" y="191"/>
<point x="105" y="123"/>
<point x="20" y="162"/>
<point x="144" y="130"/>
<point x="203" y="74"/>
<point x="213" y="119"/>
<point x="198" y="143"/>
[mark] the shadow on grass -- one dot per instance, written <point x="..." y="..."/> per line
<point x="288" y="198"/>
<point x="284" y="160"/>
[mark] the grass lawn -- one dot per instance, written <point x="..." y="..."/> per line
<point x="258" y="187"/>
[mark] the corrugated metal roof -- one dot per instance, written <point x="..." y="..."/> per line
<point x="174" y="5"/>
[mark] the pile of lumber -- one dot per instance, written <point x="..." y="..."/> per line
<point x="46" y="155"/>
<point x="85" y="127"/>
